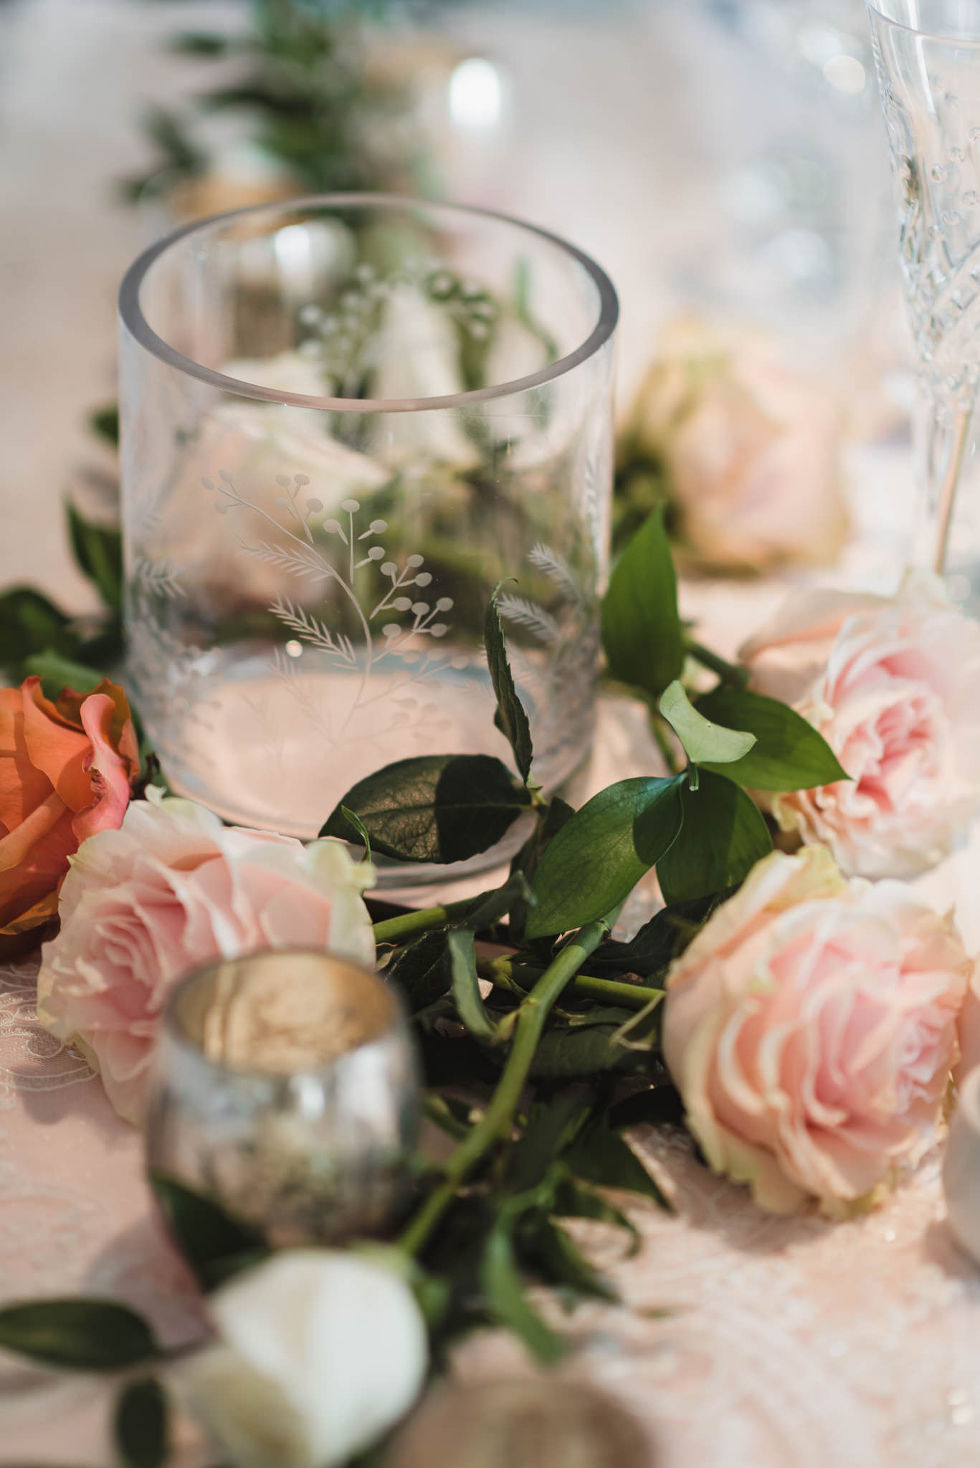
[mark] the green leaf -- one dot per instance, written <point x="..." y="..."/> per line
<point x="29" y="624"/>
<point x="659" y="941"/>
<point x="58" y="673"/>
<point x="600" y="1155"/>
<point x="355" y="822"/>
<point x="140" y="1424"/>
<point x="547" y="1248"/>
<point x="703" y="741"/>
<point x="722" y="838"/>
<point x="575" y="1199"/>
<point x="104" y="423"/>
<point x="422" y="970"/>
<point x="565" y="1052"/>
<point x="201" y="43"/>
<point x="77" y="1334"/>
<point x="600" y="854"/>
<point x="436" y="808"/>
<point x="98" y="552"/>
<point x="212" y="1242"/>
<point x="550" y="1128"/>
<point x="466" y="984"/>
<point x="654" y="1107"/>
<point x="789" y="754"/>
<point x="506" y="1300"/>
<point x="510" y="717"/>
<point x="641" y="626"/>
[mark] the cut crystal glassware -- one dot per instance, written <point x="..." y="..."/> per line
<point x="345" y="421"/>
<point x="927" y="54"/>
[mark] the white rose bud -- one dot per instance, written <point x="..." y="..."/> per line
<point x="319" y="1353"/>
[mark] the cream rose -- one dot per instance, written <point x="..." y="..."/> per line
<point x="170" y="889"/>
<point x="319" y="1353"/>
<point x="751" y="450"/>
<point x="810" y="1028"/>
<point x="893" y="685"/>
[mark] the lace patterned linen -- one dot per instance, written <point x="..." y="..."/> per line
<point x="785" y="1341"/>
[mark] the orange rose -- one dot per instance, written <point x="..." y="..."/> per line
<point x="66" y="769"/>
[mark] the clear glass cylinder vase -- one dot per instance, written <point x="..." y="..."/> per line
<point x="345" y="421"/>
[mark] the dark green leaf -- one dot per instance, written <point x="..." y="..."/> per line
<point x="565" y="1053"/>
<point x="550" y="1127"/>
<point x="104" y="423"/>
<point x="657" y="943"/>
<point x="211" y="1240"/>
<point x="200" y="43"/>
<point x="575" y="1199"/>
<point x="641" y="626"/>
<point x="600" y="854"/>
<point x="140" y="1426"/>
<point x="30" y="623"/>
<point x="703" y="741"/>
<point x="466" y="984"/>
<point x="547" y="1248"/>
<point x="58" y="673"/>
<point x="77" y="1334"/>
<point x="436" y="808"/>
<point x="654" y="1107"/>
<point x="510" y="717"/>
<point x="98" y="551"/>
<point x="507" y="1301"/>
<point x="722" y="838"/>
<point x="789" y="753"/>
<point x="600" y="1155"/>
<point x="422" y="971"/>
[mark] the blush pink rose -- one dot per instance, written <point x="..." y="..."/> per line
<point x="893" y="685"/>
<point x="810" y="1028"/>
<point x="171" y="889"/>
<point x="750" y="449"/>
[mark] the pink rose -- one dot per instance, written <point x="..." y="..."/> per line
<point x="170" y="889"/>
<point x="893" y="685"/>
<point x="810" y="1028"/>
<point x="751" y="450"/>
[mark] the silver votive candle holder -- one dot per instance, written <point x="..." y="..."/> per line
<point x="285" y="1090"/>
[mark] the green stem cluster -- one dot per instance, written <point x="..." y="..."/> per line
<point x="499" y="1115"/>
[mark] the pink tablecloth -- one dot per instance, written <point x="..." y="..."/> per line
<point x="786" y="1342"/>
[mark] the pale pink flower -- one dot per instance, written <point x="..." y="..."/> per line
<point x="893" y="685"/>
<point x="171" y="889"/>
<point x="751" y="450"/>
<point x="810" y="1028"/>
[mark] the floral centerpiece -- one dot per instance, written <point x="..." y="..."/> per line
<point x="803" y="1022"/>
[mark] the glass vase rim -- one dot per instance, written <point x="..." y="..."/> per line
<point x="133" y="318"/>
<point x="877" y="9"/>
<point x="177" y="1034"/>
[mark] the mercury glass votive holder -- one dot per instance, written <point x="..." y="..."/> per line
<point x="344" y="421"/>
<point x="284" y="1088"/>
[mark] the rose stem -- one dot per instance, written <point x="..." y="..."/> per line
<point x="496" y="1120"/>
<point x="727" y="672"/>
<point x="406" y="924"/>
<point x="509" y="975"/>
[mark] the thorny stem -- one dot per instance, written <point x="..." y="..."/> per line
<point x="499" y="1115"/>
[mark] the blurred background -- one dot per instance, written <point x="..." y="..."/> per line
<point x="724" y="159"/>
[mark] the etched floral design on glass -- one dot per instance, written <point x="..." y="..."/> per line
<point x="927" y="54"/>
<point x="345" y="421"/>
